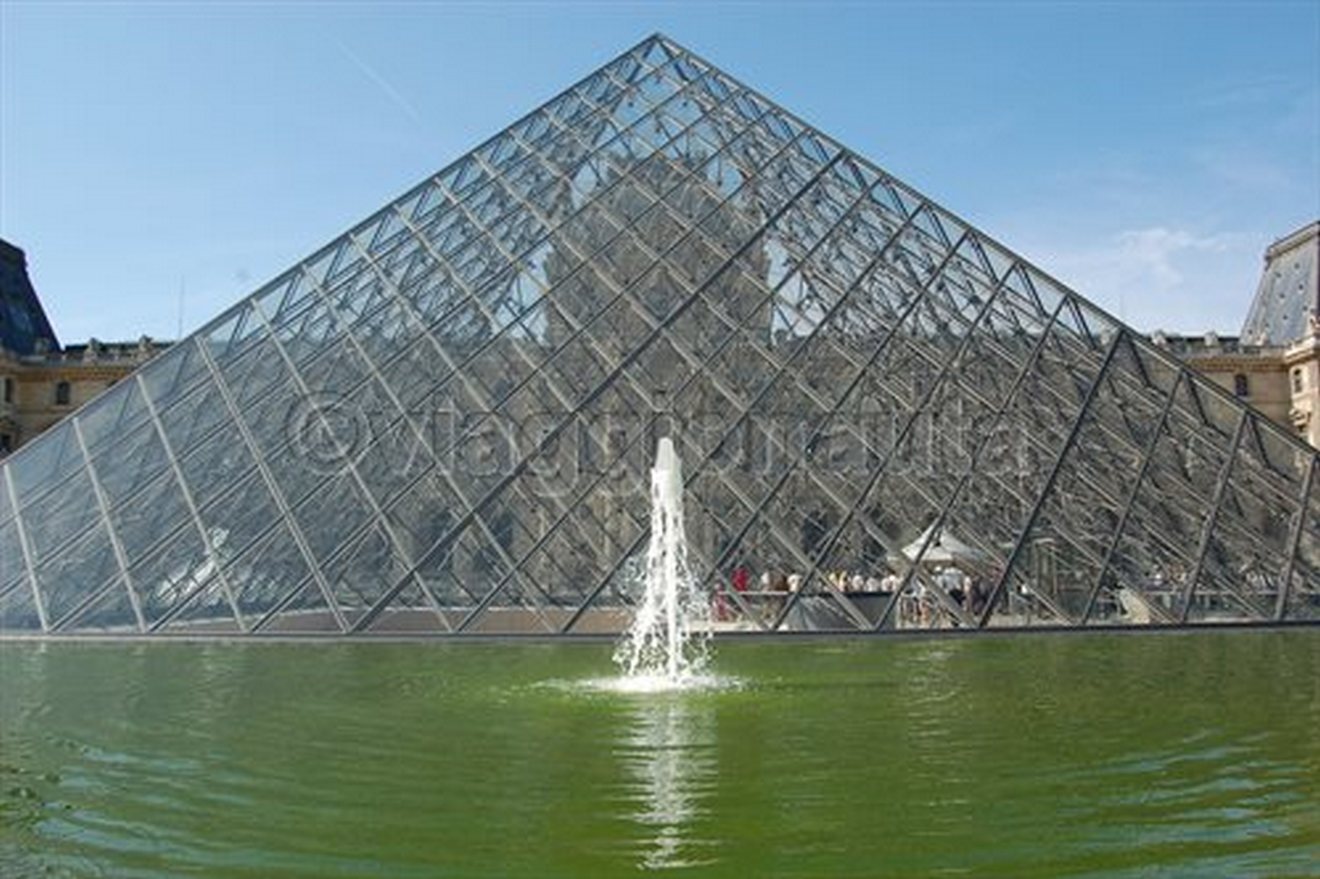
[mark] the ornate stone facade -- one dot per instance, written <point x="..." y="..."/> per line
<point x="1275" y="364"/>
<point x="40" y="381"/>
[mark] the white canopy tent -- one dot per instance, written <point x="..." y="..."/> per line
<point x="945" y="549"/>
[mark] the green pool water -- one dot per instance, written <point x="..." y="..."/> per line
<point x="1047" y="755"/>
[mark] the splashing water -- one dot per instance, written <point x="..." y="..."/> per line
<point x="666" y="646"/>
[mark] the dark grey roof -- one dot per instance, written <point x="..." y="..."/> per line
<point x="1289" y="292"/>
<point x="23" y="323"/>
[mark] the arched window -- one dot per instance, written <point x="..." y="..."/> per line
<point x="9" y="389"/>
<point x="1297" y="384"/>
<point x="1240" y="385"/>
<point x="61" y="393"/>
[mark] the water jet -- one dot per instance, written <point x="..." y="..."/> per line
<point x="666" y="647"/>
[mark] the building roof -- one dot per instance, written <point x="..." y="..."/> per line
<point x="24" y="328"/>
<point x="1288" y="297"/>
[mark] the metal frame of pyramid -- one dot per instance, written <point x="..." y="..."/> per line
<point x="442" y="421"/>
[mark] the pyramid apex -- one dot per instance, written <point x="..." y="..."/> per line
<point x="656" y="37"/>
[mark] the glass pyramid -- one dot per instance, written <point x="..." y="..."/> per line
<point x="443" y="421"/>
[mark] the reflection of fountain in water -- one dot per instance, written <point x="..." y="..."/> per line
<point x="669" y="752"/>
<point x="665" y="648"/>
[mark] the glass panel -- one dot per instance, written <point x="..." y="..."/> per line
<point x="360" y="575"/>
<point x="227" y="340"/>
<point x="153" y="513"/>
<point x="180" y="574"/>
<point x="1025" y="599"/>
<point x="239" y="517"/>
<point x="217" y="464"/>
<point x="424" y="514"/>
<point x="69" y="579"/>
<point x="109" y="611"/>
<point x="12" y="566"/>
<point x="115" y="413"/>
<point x="46" y="462"/>
<point x="298" y="468"/>
<point x="1245" y="556"/>
<point x="6" y="508"/>
<point x="207" y="612"/>
<point x="18" y="610"/>
<point x="331" y="516"/>
<point x="169" y="375"/>
<point x="1304" y="591"/>
<point x="60" y="516"/>
<point x="264" y="577"/>
<point x="399" y="453"/>
<point x="306" y="612"/>
<point x="256" y="374"/>
<point x="131" y="465"/>
<point x="410" y="613"/>
<point x="280" y="418"/>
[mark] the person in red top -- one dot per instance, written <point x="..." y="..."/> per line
<point x="739" y="580"/>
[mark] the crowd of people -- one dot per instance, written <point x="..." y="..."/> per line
<point x="919" y="602"/>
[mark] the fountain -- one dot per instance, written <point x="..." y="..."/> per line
<point x="666" y="645"/>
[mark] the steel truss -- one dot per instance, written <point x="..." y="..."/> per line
<point x="442" y="421"/>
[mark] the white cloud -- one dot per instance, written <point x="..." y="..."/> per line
<point x="1161" y="277"/>
<point x="1155" y="254"/>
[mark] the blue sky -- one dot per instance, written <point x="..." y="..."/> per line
<point x="1145" y="153"/>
